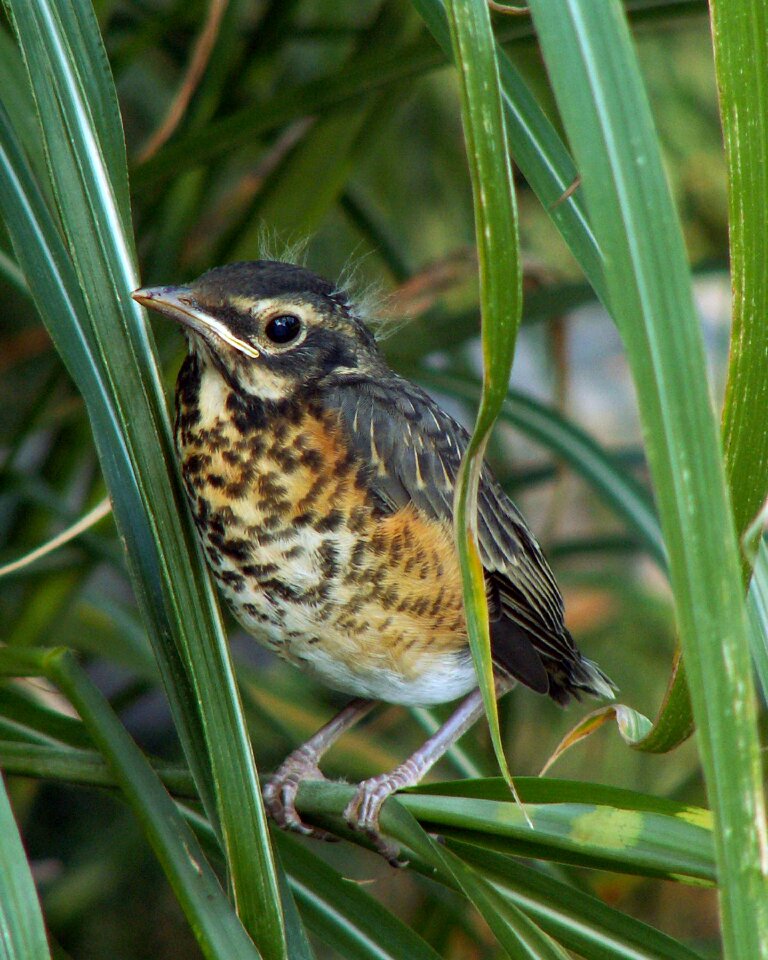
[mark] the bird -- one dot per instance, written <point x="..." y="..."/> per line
<point x="321" y="485"/>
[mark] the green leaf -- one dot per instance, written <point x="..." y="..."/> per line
<point x="758" y="613"/>
<point x="219" y="932"/>
<point x="739" y="32"/>
<point x="22" y="931"/>
<point x="343" y="914"/>
<point x="516" y="933"/>
<point x="538" y="151"/>
<point x="594" y="71"/>
<point x="578" y="921"/>
<point x="500" y="298"/>
<point x="565" y="821"/>
<point x="110" y="355"/>
<point x="755" y="544"/>
<point x="629" y="841"/>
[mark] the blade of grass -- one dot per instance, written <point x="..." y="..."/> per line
<point x="343" y="914"/>
<point x="219" y="932"/>
<point x="22" y="930"/>
<point x="674" y="723"/>
<point x="549" y="169"/>
<point x="500" y="298"/>
<point x="538" y="151"/>
<point x="594" y="71"/>
<point x="758" y="611"/>
<point x="84" y="767"/>
<point x="571" y="824"/>
<point x="739" y="32"/>
<point x="173" y="588"/>
<point x="580" y="922"/>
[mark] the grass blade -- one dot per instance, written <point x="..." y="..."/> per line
<point x="580" y="922"/>
<point x="500" y="297"/>
<point x="538" y="151"/>
<point x="587" y="825"/>
<point x="342" y="914"/>
<point x="22" y="931"/>
<point x="596" y="79"/>
<point x="109" y="336"/>
<point x="219" y="932"/>
<point x="741" y="62"/>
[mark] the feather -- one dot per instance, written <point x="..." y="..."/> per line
<point x="416" y="449"/>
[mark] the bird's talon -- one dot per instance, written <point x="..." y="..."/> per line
<point x="363" y="811"/>
<point x="279" y="795"/>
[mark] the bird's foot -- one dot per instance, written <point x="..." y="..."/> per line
<point x="364" y="809"/>
<point x="279" y="793"/>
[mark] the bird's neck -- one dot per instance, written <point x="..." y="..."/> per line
<point x="206" y="399"/>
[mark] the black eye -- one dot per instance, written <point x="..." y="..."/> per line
<point x="283" y="329"/>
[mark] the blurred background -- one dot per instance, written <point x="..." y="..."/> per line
<point x="254" y="126"/>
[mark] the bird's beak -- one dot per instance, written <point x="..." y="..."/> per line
<point x="179" y="304"/>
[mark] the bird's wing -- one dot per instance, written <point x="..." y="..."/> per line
<point x="415" y="450"/>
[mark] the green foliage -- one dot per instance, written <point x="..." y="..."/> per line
<point x="346" y="122"/>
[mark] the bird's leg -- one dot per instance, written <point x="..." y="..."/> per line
<point x="280" y="790"/>
<point x="363" y="811"/>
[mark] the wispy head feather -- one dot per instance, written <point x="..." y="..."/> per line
<point x="367" y="300"/>
<point x="272" y="246"/>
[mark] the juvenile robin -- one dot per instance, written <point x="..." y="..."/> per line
<point x="321" y="484"/>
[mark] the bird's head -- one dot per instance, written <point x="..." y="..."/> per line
<point x="268" y="327"/>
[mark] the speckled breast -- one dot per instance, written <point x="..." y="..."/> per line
<point x="311" y="562"/>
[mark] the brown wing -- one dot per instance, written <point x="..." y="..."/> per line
<point x="415" y="450"/>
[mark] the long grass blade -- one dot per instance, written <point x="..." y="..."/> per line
<point x="219" y="932"/>
<point x="87" y="167"/>
<point x="739" y="31"/>
<point x="500" y="297"/>
<point x="578" y="921"/>
<point x="22" y="931"/>
<point x="596" y="79"/>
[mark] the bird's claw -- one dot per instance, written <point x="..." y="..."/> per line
<point x="279" y="795"/>
<point x="364" y="809"/>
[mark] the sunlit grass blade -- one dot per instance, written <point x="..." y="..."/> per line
<point x="108" y="342"/>
<point x="538" y="151"/>
<point x="22" y="931"/>
<point x="220" y="934"/>
<point x="578" y="921"/>
<point x="343" y="914"/>
<point x="500" y="299"/>
<point x="594" y="71"/>
<point x="515" y="932"/>
<point x="571" y="822"/>
<point x="741" y="62"/>
<point x="619" y="490"/>
<point x="644" y="843"/>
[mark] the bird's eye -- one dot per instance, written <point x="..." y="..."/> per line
<point x="283" y="329"/>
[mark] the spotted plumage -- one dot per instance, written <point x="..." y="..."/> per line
<point x="321" y="484"/>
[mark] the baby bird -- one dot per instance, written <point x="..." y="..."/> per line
<point x="321" y="484"/>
